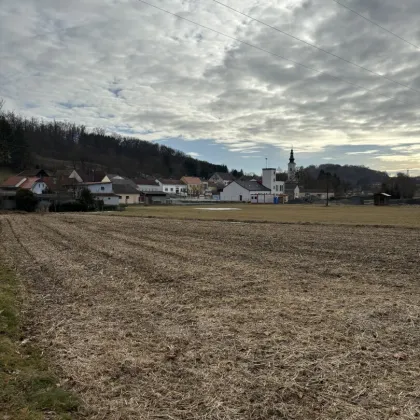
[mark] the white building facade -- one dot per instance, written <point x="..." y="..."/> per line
<point x="269" y="181"/>
<point x="170" y="186"/>
<point x="102" y="191"/>
<point x="243" y="191"/>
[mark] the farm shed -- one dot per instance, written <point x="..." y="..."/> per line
<point x="381" y="199"/>
<point x="153" y="197"/>
<point x="7" y="199"/>
<point x="243" y="190"/>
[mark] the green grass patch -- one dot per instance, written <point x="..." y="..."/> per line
<point x="28" y="389"/>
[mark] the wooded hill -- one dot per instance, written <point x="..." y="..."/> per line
<point x="26" y="142"/>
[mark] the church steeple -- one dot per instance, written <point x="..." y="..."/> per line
<point x="291" y="173"/>
<point x="292" y="157"/>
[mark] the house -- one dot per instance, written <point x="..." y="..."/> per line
<point x="172" y="186"/>
<point x="214" y="189"/>
<point x="110" y="177"/>
<point x="7" y="199"/>
<point x="243" y="191"/>
<point x="144" y="184"/>
<point x="194" y="185"/>
<point x="292" y="190"/>
<point x="35" y="184"/>
<point x="64" y="178"/>
<point x="126" y="189"/>
<point x="224" y="178"/>
<point x="153" y="197"/>
<point x="101" y="191"/>
<point x="381" y="199"/>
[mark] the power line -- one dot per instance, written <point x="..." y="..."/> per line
<point x="318" y="48"/>
<point x="269" y="52"/>
<point x="376" y="24"/>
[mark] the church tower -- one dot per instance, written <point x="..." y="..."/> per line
<point x="291" y="173"/>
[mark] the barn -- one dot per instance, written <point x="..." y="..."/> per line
<point x="243" y="190"/>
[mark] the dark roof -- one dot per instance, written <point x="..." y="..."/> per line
<point x="252" y="186"/>
<point x="124" y="188"/>
<point x="32" y="173"/>
<point x="124" y="181"/>
<point x="290" y="186"/>
<point x="152" y="193"/>
<point x="171" y="181"/>
<point x="144" y="181"/>
<point x="226" y="176"/>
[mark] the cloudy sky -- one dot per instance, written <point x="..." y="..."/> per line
<point x="130" y="68"/>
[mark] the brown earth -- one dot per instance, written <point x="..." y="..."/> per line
<point x="171" y="319"/>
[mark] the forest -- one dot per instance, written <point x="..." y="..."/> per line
<point x="28" y="142"/>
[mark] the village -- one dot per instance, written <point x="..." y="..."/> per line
<point x="64" y="186"/>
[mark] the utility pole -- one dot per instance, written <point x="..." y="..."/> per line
<point x="266" y="163"/>
<point x="327" y="177"/>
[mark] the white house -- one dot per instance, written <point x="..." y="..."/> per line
<point x="102" y="191"/>
<point x="172" y="186"/>
<point x="243" y="191"/>
<point x="34" y="184"/>
<point x="224" y="178"/>
<point x="269" y="181"/>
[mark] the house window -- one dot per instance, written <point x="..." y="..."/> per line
<point x="172" y="189"/>
<point x="127" y="197"/>
<point x="166" y="189"/>
<point x="120" y="197"/>
<point x="102" y="188"/>
<point x="109" y="198"/>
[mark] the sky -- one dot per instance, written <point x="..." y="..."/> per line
<point x="135" y="70"/>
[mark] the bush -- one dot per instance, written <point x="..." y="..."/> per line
<point x="26" y="200"/>
<point x="70" y="206"/>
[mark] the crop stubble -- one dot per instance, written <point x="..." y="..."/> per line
<point x="150" y="319"/>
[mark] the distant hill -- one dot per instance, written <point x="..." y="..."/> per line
<point x="352" y="174"/>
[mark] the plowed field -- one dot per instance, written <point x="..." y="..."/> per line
<point x="170" y="319"/>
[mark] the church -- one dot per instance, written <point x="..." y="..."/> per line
<point x="277" y="187"/>
<point x="272" y="185"/>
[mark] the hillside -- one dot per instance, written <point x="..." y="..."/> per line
<point x="24" y="143"/>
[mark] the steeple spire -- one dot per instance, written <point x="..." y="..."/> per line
<point x="292" y="157"/>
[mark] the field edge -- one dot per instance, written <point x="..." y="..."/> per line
<point x="31" y="390"/>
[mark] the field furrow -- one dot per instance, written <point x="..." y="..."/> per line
<point x="156" y="318"/>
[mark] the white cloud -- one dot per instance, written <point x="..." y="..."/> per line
<point x="363" y="152"/>
<point x="193" y="154"/>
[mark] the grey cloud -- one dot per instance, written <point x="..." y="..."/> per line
<point x="153" y="73"/>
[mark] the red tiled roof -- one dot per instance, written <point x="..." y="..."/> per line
<point x="28" y="184"/>
<point x="191" y="180"/>
<point x="13" y="181"/>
